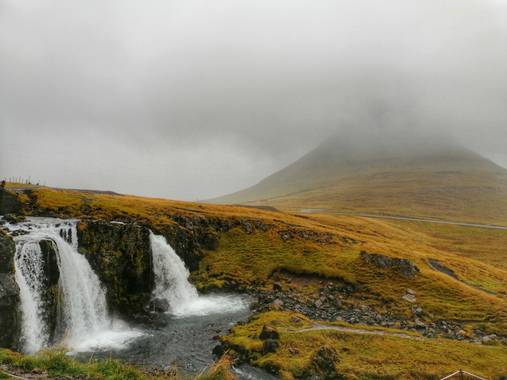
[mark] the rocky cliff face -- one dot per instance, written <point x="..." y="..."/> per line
<point x="9" y="293"/>
<point x="8" y="202"/>
<point x="120" y="254"/>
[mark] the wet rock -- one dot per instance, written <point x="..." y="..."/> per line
<point x="218" y="350"/>
<point x="159" y="305"/>
<point x="10" y="318"/>
<point x="13" y="218"/>
<point x="269" y="332"/>
<point x="52" y="293"/>
<point x="404" y="267"/>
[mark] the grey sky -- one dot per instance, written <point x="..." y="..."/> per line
<point x="192" y="99"/>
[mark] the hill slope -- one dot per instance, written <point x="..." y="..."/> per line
<point x="348" y="274"/>
<point x="431" y="179"/>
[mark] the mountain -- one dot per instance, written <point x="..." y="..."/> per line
<point x="420" y="177"/>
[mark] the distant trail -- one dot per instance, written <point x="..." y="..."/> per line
<point x="409" y="219"/>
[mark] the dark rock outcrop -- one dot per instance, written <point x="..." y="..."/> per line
<point x="10" y="320"/>
<point x="404" y="267"/>
<point x="120" y="254"/>
<point x="52" y="294"/>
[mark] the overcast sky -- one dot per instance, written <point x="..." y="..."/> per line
<point x="195" y="98"/>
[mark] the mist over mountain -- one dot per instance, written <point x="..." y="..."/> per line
<point x="423" y="175"/>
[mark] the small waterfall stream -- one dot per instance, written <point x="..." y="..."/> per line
<point x="172" y="285"/>
<point x="171" y="275"/>
<point x="83" y="321"/>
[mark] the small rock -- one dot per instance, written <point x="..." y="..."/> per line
<point x="295" y="319"/>
<point x="409" y="298"/>
<point x="488" y="338"/>
<point x="277" y="304"/>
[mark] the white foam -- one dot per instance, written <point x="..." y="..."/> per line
<point x="105" y="340"/>
<point x="206" y="305"/>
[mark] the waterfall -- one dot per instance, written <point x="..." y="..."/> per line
<point x="173" y="287"/>
<point x="30" y="278"/>
<point x="171" y="275"/>
<point x="83" y="318"/>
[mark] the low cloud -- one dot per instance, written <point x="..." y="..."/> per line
<point x="192" y="99"/>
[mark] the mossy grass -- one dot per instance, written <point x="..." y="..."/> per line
<point x="57" y="364"/>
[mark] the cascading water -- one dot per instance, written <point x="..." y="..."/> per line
<point x="171" y="275"/>
<point x="172" y="285"/>
<point x="85" y="322"/>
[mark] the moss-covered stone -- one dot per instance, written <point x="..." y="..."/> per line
<point x="120" y="254"/>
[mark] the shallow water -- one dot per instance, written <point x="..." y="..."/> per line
<point x="184" y="341"/>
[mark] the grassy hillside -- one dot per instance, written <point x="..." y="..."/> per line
<point x="316" y="263"/>
<point x="359" y="352"/>
<point x="432" y="180"/>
